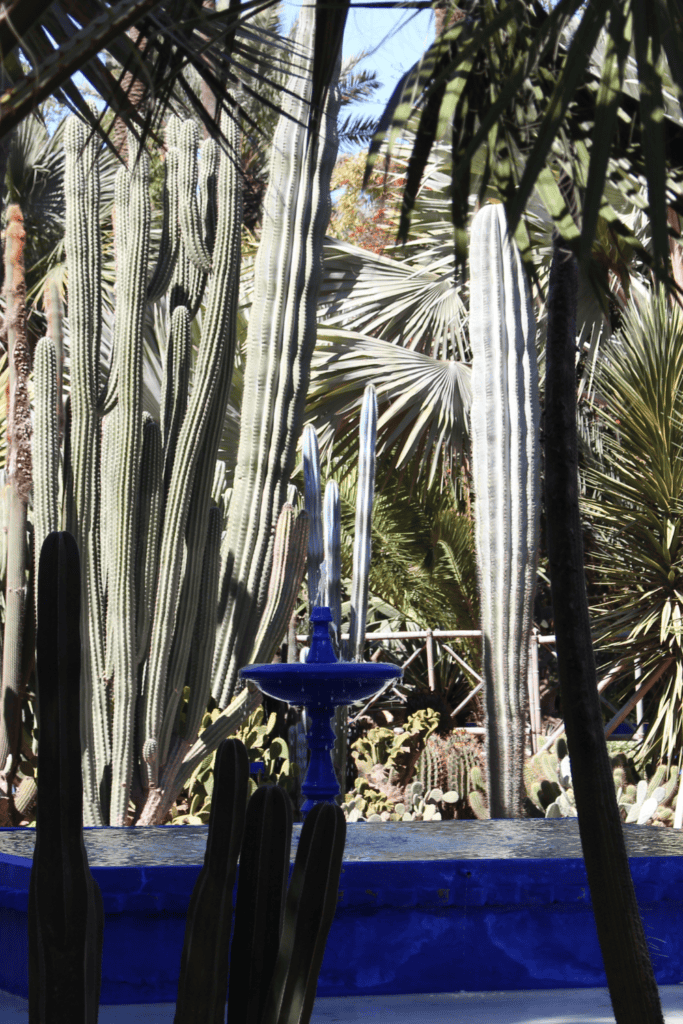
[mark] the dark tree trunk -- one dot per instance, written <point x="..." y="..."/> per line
<point x="631" y="980"/>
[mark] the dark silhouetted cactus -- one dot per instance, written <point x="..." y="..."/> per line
<point x="203" y="984"/>
<point x="280" y="933"/>
<point x="65" y="913"/>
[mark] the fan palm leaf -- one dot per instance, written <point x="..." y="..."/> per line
<point x="35" y="180"/>
<point x="423" y="402"/>
<point x="415" y="306"/>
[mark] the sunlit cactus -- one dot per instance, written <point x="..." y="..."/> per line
<point x="163" y="610"/>
<point x="505" y="464"/>
<point x="324" y="552"/>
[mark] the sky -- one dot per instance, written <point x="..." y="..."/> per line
<point x="396" y="39"/>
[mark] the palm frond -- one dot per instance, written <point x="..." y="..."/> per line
<point x="355" y="131"/>
<point x="423" y="402"/>
<point x="525" y="95"/>
<point x="61" y="37"/>
<point x="411" y="305"/>
<point x="636" y="505"/>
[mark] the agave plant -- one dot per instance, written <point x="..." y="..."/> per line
<point x="635" y="507"/>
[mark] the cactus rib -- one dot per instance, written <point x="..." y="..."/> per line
<point x="66" y="916"/>
<point x="505" y="423"/>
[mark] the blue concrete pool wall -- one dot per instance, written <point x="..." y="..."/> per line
<point x="422" y="907"/>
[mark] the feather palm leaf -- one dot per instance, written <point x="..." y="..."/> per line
<point x="523" y="98"/>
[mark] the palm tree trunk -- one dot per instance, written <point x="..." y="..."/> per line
<point x="631" y="980"/>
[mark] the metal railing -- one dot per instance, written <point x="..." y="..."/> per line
<point x="539" y="741"/>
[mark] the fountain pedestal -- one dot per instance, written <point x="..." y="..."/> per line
<point x="321" y="684"/>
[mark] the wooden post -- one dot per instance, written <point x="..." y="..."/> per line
<point x="430" y="660"/>
<point x="534" y="692"/>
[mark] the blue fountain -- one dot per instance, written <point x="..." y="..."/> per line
<point x="321" y="684"/>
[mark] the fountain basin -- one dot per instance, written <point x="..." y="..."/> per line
<point x="306" y="685"/>
<point x="453" y="906"/>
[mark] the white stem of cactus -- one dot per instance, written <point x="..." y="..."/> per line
<point x="505" y="457"/>
<point x="362" y="541"/>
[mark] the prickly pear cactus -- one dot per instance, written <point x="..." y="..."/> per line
<point x="414" y="803"/>
<point x="271" y="751"/>
<point x="382" y="746"/>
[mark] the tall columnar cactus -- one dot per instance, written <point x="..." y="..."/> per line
<point x="280" y="342"/>
<point x="324" y="551"/>
<point x="139" y="496"/>
<point x="362" y="538"/>
<point x="83" y="256"/>
<point x="505" y="456"/>
<point x="19" y="486"/>
<point x="65" y="912"/>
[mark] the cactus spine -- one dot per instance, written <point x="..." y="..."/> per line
<point x="505" y="456"/>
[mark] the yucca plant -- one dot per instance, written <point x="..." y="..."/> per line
<point x="634" y="504"/>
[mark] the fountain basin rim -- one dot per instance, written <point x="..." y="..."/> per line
<point x="335" y="669"/>
<point x="321" y="684"/>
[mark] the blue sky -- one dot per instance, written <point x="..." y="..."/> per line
<point x="396" y="38"/>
